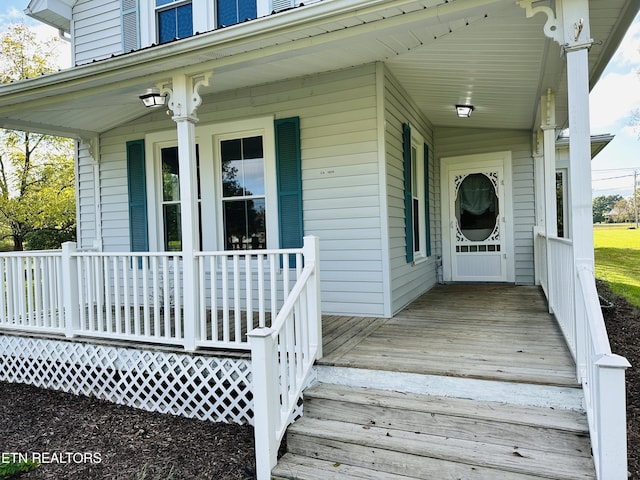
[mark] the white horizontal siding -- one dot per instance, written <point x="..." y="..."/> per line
<point x="455" y="142"/>
<point x="338" y="124"/>
<point x="97" y="31"/>
<point x="408" y="281"/>
<point x="85" y="192"/>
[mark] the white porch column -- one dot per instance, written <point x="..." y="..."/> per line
<point x="575" y="16"/>
<point x="548" y="110"/>
<point x="184" y="101"/>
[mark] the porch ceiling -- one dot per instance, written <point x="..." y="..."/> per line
<point x="483" y="52"/>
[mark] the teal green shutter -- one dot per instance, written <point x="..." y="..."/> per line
<point x="289" y="175"/>
<point x="408" y="199"/>
<point x="427" y="189"/>
<point x="137" y="188"/>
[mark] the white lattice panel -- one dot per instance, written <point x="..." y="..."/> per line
<point x="195" y="386"/>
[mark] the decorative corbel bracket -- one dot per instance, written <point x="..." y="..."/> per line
<point x="93" y="146"/>
<point x="183" y="94"/>
<point x="553" y="25"/>
<point x="569" y="34"/>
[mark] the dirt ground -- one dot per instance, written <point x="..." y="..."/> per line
<point x="121" y="443"/>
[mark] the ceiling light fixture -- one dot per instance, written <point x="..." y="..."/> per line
<point x="152" y="98"/>
<point x="464" y="111"/>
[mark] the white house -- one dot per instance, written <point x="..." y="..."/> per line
<point x="415" y="139"/>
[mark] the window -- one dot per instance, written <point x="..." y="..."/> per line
<point x="243" y="193"/>
<point x="561" y="203"/>
<point x="415" y="186"/>
<point x="230" y="12"/>
<point x="170" y="200"/>
<point x="174" y="19"/>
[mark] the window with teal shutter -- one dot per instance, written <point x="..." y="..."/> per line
<point x="289" y="177"/>
<point x="137" y="188"/>
<point x="408" y="197"/>
<point x="427" y="189"/>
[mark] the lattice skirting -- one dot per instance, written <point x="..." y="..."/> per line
<point x="196" y="386"/>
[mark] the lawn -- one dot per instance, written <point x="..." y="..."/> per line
<point x="617" y="251"/>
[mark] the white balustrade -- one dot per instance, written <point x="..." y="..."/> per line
<point x="242" y="290"/>
<point x="282" y="359"/>
<point x="31" y="291"/>
<point x="600" y="372"/>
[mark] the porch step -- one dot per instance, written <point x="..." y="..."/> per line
<point x="361" y="433"/>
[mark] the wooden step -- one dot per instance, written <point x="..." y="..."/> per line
<point x="331" y="394"/>
<point x="292" y="466"/>
<point x="420" y="455"/>
<point x="361" y="433"/>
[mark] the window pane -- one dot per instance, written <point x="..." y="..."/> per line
<point x="172" y="232"/>
<point x="231" y="12"/>
<point x="242" y="167"/>
<point x="167" y="25"/>
<point x="174" y="22"/>
<point x="185" y="21"/>
<point x="414" y="171"/>
<point x="416" y="225"/>
<point x="244" y="224"/>
<point x="170" y="175"/>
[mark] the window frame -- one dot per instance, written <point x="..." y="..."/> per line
<point x="243" y="129"/>
<point x="418" y="198"/>
<point x="204" y="17"/>
<point x="212" y="226"/>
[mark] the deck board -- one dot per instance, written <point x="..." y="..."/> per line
<point x="496" y="332"/>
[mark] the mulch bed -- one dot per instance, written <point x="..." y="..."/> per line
<point x="135" y="444"/>
<point x="128" y="443"/>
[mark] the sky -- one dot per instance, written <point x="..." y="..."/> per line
<point x="612" y="100"/>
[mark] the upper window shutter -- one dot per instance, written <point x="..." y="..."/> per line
<point x="408" y="201"/>
<point x="427" y="189"/>
<point x="289" y="175"/>
<point x="281" y="5"/>
<point x="130" y="31"/>
<point x="137" y="188"/>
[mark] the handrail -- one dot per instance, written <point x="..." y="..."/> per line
<point x="603" y="383"/>
<point x="573" y="299"/>
<point x="282" y="358"/>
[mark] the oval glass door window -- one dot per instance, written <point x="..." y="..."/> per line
<point x="477" y="207"/>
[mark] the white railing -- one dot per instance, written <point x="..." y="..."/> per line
<point x="141" y="297"/>
<point x="561" y="288"/>
<point x="574" y="301"/>
<point x="282" y="357"/>
<point x="129" y="296"/>
<point x="603" y="382"/>
<point x="240" y="291"/>
<point x="31" y="292"/>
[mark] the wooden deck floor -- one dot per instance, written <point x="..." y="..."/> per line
<point x="476" y="331"/>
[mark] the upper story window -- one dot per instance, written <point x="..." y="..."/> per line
<point x="230" y="12"/>
<point x="150" y="22"/>
<point x="174" y="19"/>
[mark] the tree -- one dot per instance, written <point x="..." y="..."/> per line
<point x="37" y="195"/>
<point x="602" y="205"/>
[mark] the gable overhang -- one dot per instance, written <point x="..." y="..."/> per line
<point x="55" y="13"/>
<point x="483" y="52"/>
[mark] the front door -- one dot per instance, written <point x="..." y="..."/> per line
<point x="477" y="218"/>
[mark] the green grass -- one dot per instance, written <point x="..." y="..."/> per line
<point x="617" y="251"/>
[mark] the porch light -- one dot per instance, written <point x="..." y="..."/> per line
<point x="152" y="98"/>
<point x="464" y="111"/>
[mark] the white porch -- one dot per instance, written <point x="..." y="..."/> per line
<point x="454" y="338"/>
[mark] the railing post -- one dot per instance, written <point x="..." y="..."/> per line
<point x="264" y="380"/>
<point x="70" y="292"/>
<point x="311" y="252"/>
<point x="611" y="416"/>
